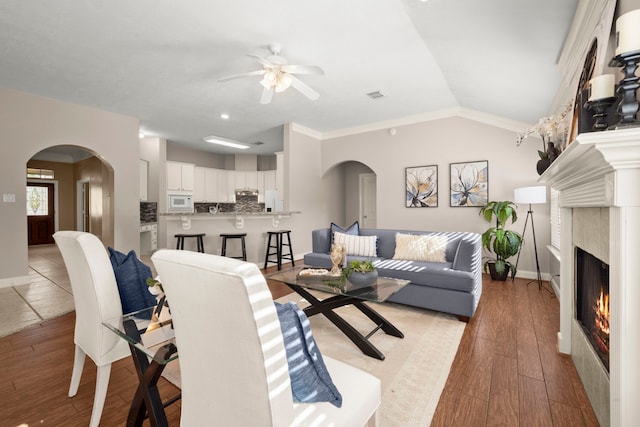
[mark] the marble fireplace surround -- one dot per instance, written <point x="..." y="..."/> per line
<point x="598" y="176"/>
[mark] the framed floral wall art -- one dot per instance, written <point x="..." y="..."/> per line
<point x="469" y="183"/>
<point x="421" y="187"/>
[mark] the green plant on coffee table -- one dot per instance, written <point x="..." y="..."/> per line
<point x="358" y="266"/>
<point x="504" y="243"/>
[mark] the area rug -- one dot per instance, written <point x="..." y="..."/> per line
<point x="415" y="368"/>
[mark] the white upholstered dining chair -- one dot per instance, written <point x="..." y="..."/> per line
<point x="233" y="364"/>
<point x="96" y="298"/>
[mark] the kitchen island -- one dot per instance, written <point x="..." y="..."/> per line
<point x="255" y="224"/>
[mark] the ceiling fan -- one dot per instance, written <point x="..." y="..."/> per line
<point x="279" y="75"/>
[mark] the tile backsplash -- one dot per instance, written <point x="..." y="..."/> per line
<point x="148" y="212"/>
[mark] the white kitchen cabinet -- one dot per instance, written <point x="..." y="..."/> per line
<point x="280" y="173"/>
<point x="251" y="182"/>
<point x="148" y="239"/>
<point x="199" y="185"/>
<point x="144" y="180"/>
<point x="260" y="186"/>
<point x="240" y="179"/>
<point x="270" y="180"/>
<point x="231" y="186"/>
<point x="223" y="177"/>
<point x="180" y="177"/>
<point x="211" y="185"/>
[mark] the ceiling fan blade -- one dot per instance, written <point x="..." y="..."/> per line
<point x="261" y="60"/>
<point x="304" y="89"/>
<point x="302" y="69"/>
<point x="267" y="94"/>
<point x="237" y="76"/>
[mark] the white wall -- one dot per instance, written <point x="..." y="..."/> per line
<point x="29" y="124"/>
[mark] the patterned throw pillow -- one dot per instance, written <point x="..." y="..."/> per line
<point x="357" y="245"/>
<point x="423" y="247"/>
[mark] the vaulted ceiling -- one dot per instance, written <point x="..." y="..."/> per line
<point x="160" y="60"/>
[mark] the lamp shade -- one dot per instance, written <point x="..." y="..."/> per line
<point x="535" y="194"/>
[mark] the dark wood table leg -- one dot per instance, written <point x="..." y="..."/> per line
<point x="146" y="400"/>
<point x="326" y="308"/>
<point x="383" y="323"/>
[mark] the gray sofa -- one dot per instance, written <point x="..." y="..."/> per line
<point x="453" y="286"/>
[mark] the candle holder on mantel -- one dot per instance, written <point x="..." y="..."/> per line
<point x="628" y="107"/>
<point x="599" y="108"/>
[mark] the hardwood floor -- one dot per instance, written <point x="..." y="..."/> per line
<point x="506" y="372"/>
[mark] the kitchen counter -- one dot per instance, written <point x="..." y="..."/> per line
<point x="238" y="217"/>
<point x="226" y="214"/>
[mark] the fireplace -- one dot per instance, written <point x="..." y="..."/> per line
<point x="592" y="302"/>
<point x="597" y="176"/>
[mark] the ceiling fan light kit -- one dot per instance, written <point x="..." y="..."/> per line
<point x="278" y="75"/>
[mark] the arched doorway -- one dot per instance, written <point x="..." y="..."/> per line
<point x="78" y="185"/>
<point x="359" y="189"/>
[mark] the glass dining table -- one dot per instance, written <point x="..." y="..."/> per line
<point x="150" y="335"/>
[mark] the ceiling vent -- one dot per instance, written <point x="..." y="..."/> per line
<point x="376" y="95"/>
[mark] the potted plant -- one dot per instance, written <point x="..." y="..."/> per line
<point x="361" y="273"/>
<point x="504" y="243"/>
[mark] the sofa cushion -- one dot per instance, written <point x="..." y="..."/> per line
<point x="353" y="229"/>
<point x="310" y="379"/>
<point x="425" y="247"/>
<point x="357" y="245"/>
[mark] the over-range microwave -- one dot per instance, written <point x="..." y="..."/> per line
<point x="180" y="203"/>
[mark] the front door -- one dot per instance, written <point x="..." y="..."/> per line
<point x="40" y="213"/>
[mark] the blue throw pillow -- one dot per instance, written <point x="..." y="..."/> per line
<point x="131" y="277"/>
<point x="310" y="379"/>
<point x="353" y="229"/>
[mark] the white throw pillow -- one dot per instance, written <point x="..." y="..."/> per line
<point x="421" y="247"/>
<point x="357" y="245"/>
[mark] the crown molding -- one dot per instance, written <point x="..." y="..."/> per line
<point x="466" y="113"/>
<point x="306" y="131"/>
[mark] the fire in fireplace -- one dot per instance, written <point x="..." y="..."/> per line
<point x="592" y="302"/>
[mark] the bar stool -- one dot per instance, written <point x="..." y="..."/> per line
<point x="199" y="240"/>
<point x="279" y="243"/>
<point x="240" y="236"/>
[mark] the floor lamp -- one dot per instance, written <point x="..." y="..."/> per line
<point x="530" y="195"/>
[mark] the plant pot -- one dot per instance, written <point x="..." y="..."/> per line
<point x="494" y="274"/>
<point x="542" y="165"/>
<point x="361" y="280"/>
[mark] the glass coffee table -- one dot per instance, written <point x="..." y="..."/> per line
<point x="151" y="338"/>
<point x="379" y="291"/>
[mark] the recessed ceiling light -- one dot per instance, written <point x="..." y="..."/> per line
<point x="217" y="140"/>
<point x="224" y="116"/>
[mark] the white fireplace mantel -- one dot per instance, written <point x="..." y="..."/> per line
<point x="602" y="170"/>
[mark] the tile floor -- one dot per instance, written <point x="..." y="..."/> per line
<point x="47" y="295"/>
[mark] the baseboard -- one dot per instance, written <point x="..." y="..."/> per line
<point x="14" y="281"/>
<point x="532" y="275"/>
